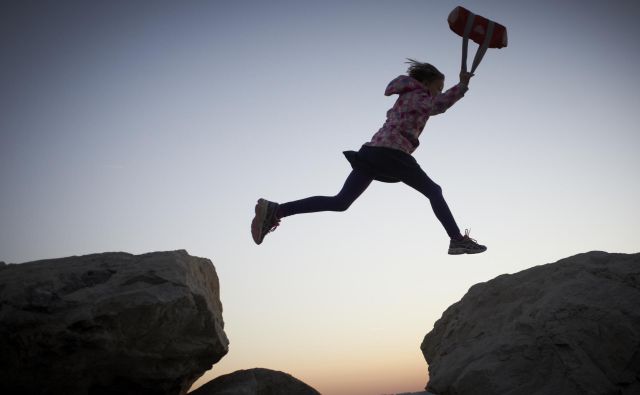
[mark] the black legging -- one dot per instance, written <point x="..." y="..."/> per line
<point x="357" y="182"/>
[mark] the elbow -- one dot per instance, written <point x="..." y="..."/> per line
<point x="437" y="111"/>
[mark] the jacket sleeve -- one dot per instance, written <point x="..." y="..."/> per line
<point x="443" y="101"/>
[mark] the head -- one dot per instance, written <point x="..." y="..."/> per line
<point x="427" y="74"/>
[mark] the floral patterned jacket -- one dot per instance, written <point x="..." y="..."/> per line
<point x="408" y="116"/>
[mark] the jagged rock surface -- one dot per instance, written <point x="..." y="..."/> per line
<point x="256" y="381"/>
<point x="109" y="323"/>
<point x="571" y="327"/>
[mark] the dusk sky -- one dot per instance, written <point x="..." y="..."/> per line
<point x="142" y="126"/>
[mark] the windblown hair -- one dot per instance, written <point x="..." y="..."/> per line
<point x="423" y="72"/>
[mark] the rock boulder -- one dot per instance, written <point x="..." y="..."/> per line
<point x="571" y="327"/>
<point x="255" y="382"/>
<point x="109" y="323"/>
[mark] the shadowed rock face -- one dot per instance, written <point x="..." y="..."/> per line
<point x="571" y="327"/>
<point x="109" y="323"/>
<point x="255" y="382"/>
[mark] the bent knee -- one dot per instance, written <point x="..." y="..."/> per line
<point x="434" y="190"/>
<point x="343" y="206"/>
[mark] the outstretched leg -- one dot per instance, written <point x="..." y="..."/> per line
<point x="356" y="183"/>
<point x="268" y="213"/>
<point x="420" y="181"/>
<point x="459" y="244"/>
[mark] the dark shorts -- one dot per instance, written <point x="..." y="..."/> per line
<point x="382" y="164"/>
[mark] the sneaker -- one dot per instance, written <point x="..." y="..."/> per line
<point x="465" y="246"/>
<point x="265" y="220"/>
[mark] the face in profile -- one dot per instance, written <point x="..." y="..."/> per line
<point x="435" y="87"/>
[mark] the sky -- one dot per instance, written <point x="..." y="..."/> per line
<point x="142" y="126"/>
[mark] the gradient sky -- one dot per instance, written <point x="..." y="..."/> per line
<point x="142" y="126"/>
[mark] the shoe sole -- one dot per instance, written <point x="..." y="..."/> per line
<point x="461" y="251"/>
<point x="258" y="220"/>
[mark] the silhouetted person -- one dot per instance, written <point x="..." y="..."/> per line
<point x="387" y="157"/>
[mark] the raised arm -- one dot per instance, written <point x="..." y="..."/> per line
<point x="443" y="101"/>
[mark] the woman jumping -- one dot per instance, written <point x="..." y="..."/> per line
<point x="387" y="157"/>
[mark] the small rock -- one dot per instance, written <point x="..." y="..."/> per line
<point x="256" y="381"/>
